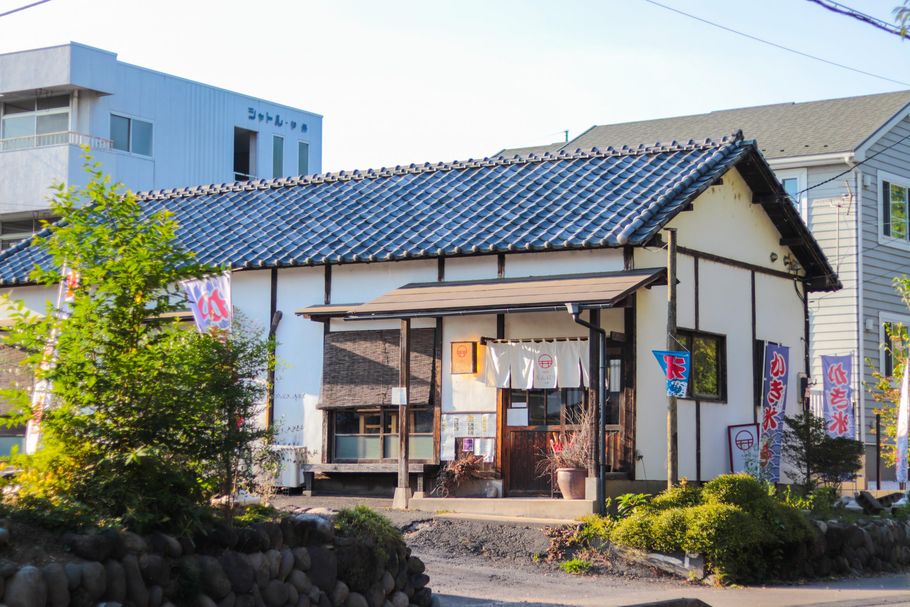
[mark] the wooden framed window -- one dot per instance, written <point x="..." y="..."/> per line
<point x="894" y="336"/>
<point x="555" y="407"/>
<point x="371" y="434"/>
<point x="708" y="380"/>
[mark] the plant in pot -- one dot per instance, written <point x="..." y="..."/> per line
<point x="568" y="454"/>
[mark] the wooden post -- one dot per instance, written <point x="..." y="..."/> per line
<point x="672" y="434"/>
<point x="878" y="451"/>
<point x="403" y="489"/>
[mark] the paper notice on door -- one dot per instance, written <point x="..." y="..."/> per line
<point x="447" y="448"/>
<point x="517" y="417"/>
<point x="485" y="447"/>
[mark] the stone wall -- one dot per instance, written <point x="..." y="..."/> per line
<point x="294" y="563"/>
<point x="869" y="545"/>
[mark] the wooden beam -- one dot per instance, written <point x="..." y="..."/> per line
<point x="791" y="242"/>
<point x="403" y="491"/>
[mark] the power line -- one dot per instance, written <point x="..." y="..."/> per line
<point x="22" y="8"/>
<point x="837" y="7"/>
<point x="777" y="46"/>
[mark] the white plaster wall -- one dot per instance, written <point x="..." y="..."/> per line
<point x="466" y="393"/>
<point x="478" y="267"/>
<point x="250" y="296"/>
<point x="359" y="283"/>
<point x="36" y="298"/>
<point x="298" y="376"/>
<point x="726" y="223"/>
<point x="563" y="262"/>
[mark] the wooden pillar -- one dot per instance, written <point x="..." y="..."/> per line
<point x="403" y="490"/>
<point x="672" y="435"/>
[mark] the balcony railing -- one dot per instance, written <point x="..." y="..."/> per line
<point x="49" y="139"/>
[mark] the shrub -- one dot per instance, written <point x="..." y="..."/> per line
<point x="595" y="529"/>
<point x="736" y="490"/>
<point x="373" y="541"/>
<point x="576" y="566"/>
<point x="669" y="529"/>
<point x="727" y="537"/>
<point x="682" y="495"/>
<point x="635" y="531"/>
<point x="628" y="503"/>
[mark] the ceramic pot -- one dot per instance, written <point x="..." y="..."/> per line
<point x="571" y="482"/>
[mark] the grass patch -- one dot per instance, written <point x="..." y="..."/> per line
<point x="576" y="566"/>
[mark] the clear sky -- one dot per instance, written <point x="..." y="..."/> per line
<point x="401" y="81"/>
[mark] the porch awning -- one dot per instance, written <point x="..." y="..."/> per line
<point x="534" y="294"/>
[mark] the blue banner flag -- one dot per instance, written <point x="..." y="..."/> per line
<point x="676" y="369"/>
<point x="210" y="301"/>
<point x="774" y="404"/>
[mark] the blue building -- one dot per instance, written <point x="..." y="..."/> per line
<point x="148" y="129"/>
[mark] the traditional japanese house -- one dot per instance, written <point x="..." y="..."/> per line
<point x="476" y="262"/>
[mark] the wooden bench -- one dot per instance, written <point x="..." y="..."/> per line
<point x="310" y="470"/>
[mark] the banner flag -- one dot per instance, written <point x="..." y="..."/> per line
<point x="774" y="404"/>
<point x="837" y="373"/>
<point x="41" y="392"/>
<point x="210" y="301"/>
<point x="676" y="368"/>
<point x="903" y="425"/>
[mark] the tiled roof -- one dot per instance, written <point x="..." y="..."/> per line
<point x="599" y="198"/>
<point x="531" y="149"/>
<point x="782" y="130"/>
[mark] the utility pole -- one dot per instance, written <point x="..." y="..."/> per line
<point x="403" y="490"/>
<point x="672" y="435"/>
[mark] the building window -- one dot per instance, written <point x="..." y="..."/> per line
<point x="35" y="121"/>
<point x="708" y="380"/>
<point x="277" y="156"/>
<point x="554" y="407"/>
<point x="131" y="135"/>
<point x="894" y="210"/>
<point x="894" y="338"/>
<point x="794" y="182"/>
<point x="371" y="434"/>
<point x="244" y="154"/>
<point x="303" y="158"/>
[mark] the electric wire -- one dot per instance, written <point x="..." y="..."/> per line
<point x="841" y="9"/>
<point x="778" y="46"/>
<point x="22" y="8"/>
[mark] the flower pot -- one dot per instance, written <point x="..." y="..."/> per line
<point x="571" y="482"/>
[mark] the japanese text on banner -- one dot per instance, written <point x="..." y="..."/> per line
<point x="774" y="404"/>
<point x="210" y="301"/>
<point x="837" y="374"/>
<point x="676" y="369"/>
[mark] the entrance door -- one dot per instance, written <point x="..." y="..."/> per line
<point x="532" y="418"/>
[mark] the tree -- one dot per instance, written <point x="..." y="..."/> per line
<point x="816" y="457"/>
<point x="886" y="388"/>
<point x="149" y="418"/>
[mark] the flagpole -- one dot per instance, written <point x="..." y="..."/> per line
<point x="672" y="432"/>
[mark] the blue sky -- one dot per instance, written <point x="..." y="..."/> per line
<point x="403" y="81"/>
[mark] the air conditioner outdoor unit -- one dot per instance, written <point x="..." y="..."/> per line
<point x="291" y="456"/>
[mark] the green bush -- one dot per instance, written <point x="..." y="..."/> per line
<point x="373" y="541"/>
<point x="727" y="537"/>
<point x="576" y="566"/>
<point x="682" y="495"/>
<point x="736" y="490"/>
<point x="628" y="503"/>
<point x="635" y="531"/>
<point x="669" y="529"/>
<point x="595" y="529"/>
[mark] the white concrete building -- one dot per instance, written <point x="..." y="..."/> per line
<point x="466" y="255"/>
<point x="148" y="129"/>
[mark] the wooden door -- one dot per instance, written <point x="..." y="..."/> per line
<point x="525" y="449"/>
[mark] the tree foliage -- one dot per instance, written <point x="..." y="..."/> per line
<point x="149" y="418"/>
<point x="815" y="457"/>
<point x="886" y="389"/>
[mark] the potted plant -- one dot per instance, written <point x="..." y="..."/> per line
<point x="568" y="454"/>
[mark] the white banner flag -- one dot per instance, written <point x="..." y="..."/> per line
<point x="545" y="358"/>
<point x="903" y="425"/>
<point x="210" y="301"/>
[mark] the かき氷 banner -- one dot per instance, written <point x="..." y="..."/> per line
<point x="210" y="301"/>
<point x="837" y="374"/>
<point x="774" y="402"/>
<point x="676" y="367"/>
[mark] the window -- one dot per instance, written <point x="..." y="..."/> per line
<point x="708" y="380"/>
<point x="894" y="338"/>
<point x="244" y="154"/>
<point x="894" y="210"/>
<point x="131" y="135"/>
<point x="550" y="407"/>
<point x="794" y="182"/>
<point x="372" y="434"/>
<point x="303" y="158"/>
<point x="34" y="121"/>
<point x="277" y="156"/>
